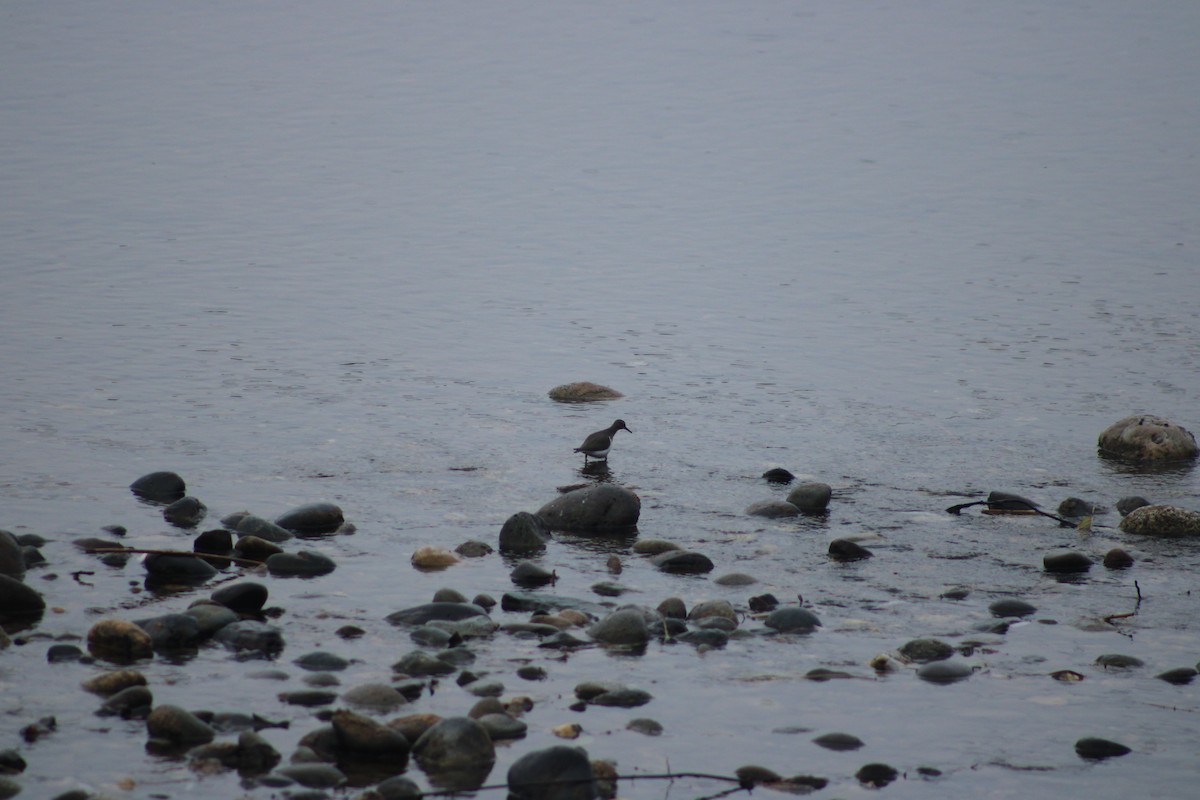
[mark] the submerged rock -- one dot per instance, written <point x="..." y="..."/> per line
<point x="523" y="533"/>
<point x="1095" y="749"/>
<point x="314" y="519"/>
<point x="455" y="753"/>
<point x="247" y="524"/>
<point x="245" y="597"/>
<point x="812" y="497"/>
<point x="683" y="562"/>
<point x="1148" y="438"/>
<point x="178" y="726"/>
<point x="250" y="637"/>
<point x="778" y="475"/>
<point x="1164" y="521"/>
<point x="772" y="509"/>
<point x="838" y="742"/>
<point x="626" y="626"/>
<point x="923" y="651"/>
<point x="1066" y="561"/>
<point x="1011" y="607"/>
<point x="420" y="615"/>
<point x="178" y="568"/>
<point x="792" y="619"/>
<point x="12" y="560"/>
<point x="1118" y="559"/>
<point x="945" y="672"/>
<point x="119" y="640"/>
<point x="555" y="773"/>
<point x="304" y="564"/>
<point x="845" y="550"/>
<point x="18" y="600"/>
<point x="159" y="487"/>
<point x="186" y="512"/>
<point x="1127" y="504"/>
<point x="1076" y="507"/>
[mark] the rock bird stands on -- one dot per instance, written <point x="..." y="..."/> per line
<point x="597" y="444"/>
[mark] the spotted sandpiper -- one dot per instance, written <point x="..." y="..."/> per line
<point x="597" y="444"/>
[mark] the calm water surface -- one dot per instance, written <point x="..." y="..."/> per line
<point x="916" y="251"/>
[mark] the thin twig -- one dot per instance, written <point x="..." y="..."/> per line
<point x="140" y="551"/>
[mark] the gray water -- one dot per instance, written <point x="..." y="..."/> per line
<point x="303" y="252"/>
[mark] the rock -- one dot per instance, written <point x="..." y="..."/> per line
<point x="945" y="672"/>
<point x="172" y="631"/>
<point x="246" y="524"/>
<point x="1164" y="521"/>
<point x="528" y="575"/>
<point x="683" y="562"/>
<point x="178" y="726"/>
<point x="1127" y="504"/>
<point x="792" y="619"/>
<point x="12" y="559"/>
<point x="713" y="608"/>
<point x="923" y="651"/>
<point x="582" y="392"/>
<point x="255" y="549"/>
<point x="645" y="726"/>
<point x="308" y="698"/>
<point x="217" y="541"/>
<point x="602" y="508"/>
<point x="876" y="776"/>
<point x="169" y="568"/>
<point x="772" y="509"/>
<point x="63" y="654"/>
<point x="522" y="534"/>
<point x="304" y="564"/>
<point x="109" y="683"/>
<point x="609" y="589"/>
<point x="736" y="579"/>
<point x="18" y="601"/>
<point x="838" y="742"/>
<point x="250" y="755"/>
<point x="1007" y="501"/>
<point x="159" y="487"/>
<point x="119" y="640"/>
<point x="621" y="697"/>
<point x="314" y="519"/>
<point x="210" y="617"/>
<point x="420" y="664"/>
<point x="626" y="626"/>
<point x="428" y="557"/>
<point x="473" y="548"/>
<point x="1066" y="561"/>
<point x="752" y="775"/>
<point x="1148" y="438"/>
<point x="244" y="597"/>
<point x="1011" y="607"/>
<point x="1117" y="558"/>
<point x="11" y="763"/>
<point x="555" y="773"/>
<point x="314" y="776"/>
<point x="419" y="615"/>
<point x="778" y="475"/>
<point x="1118" y="661"/>
<point x="9" y="788"/>
<point x="502" y="727"/>
<point x="363" y="737"/>
<point x="846" y="551"/>
<point x="1180" y="676"/>
<point x="186" y="512"/>
<point x="763" y="602"/>
<point x="811" y="498"/>
<point x="1094" y="749"/>
<point x="249" y="637"/>
<point x="133" y="702"/>
<point x="672" y="608"/>
<point x="708" y="638"/>
<point x="456" y="753"/>
<point x="321" y="661"/>
<point x="653" y="547"/>
<point x="398" y="787"/>
<point x="1075" y="507"/>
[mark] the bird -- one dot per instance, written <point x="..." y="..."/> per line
<point x="597" y="444"/>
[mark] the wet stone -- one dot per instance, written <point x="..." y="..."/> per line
<point x="502" y="727"/>
<point x="772" y="509"/>
<point x="736" y="579"/>
<point x="523" y="534"/>
<point x="555" y="773"/>
<point x="763" y="602"/>
<point x="1011" y="607"/>
<point x="420" y="664"/>
<point x="1076" y="507"/>
<point x="109" y="683"/>
<point x="159" y="487"/>
<point x="430" y="636"/>
<point x="1117" y="558"/>
<point x="244" y="597"/>
<point x="473" y="548"/>
<point x="455" y="745"/>
<point x="654" y="547"/>
<point x="321" y="661"/>
<point x="172" y="631"/>
<point x="626" y="626"/>
<point x="811" y="497"/>
<point x="751" y="775"/>
<point x="532" y="673"/>
<point x="683" y="562"/>
<point x="363" y="737"/>
<point x="609" y="589"/>
<point x="251" y="637"/>
<point x="254" y="548"/>
<point x="210" y="617"/>
<point x="1163" y="521"/>
<point x="245" y="524"/>
<point x="876" y="776"/>
<point x="314" y="776"/>
<point x="1127" y="504"/>
<point x="12" y="560"/>
<point x="308" y="697"/>
<point x="1179" y="676"/>
<point x="792" y="619"/>
<point x="178" y="726"/>
<point x="530" y="576"/>
<point x="216" y="542"/>
<point x="923" y="651"/>
<point x="186" y="569"/>
<point x="63" y="654"/>
<point x="645" y="726"/>
<point x="1066" y="561"/>
<point x="1118" y="661"/>
<point x="419" y="615"/>
<point x="672" y="608"/>
<point x="119" y="640"/>
<point x="838" y="742"/>
<point x="945" y="672"/>
<point x="713" y="608"/>
<point x="1095" y="749"/>
<point x="186" y="512"/>
<point x="306" y="563"/>
<point x="778" y="475"/>
<point x="314" y="519"/>
<point x="135" y="701"/>
<point x="846" y="551"/>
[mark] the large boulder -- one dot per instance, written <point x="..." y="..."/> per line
<point x="603" y="508"/>
<point x="1148" y="438"/>
<point x="1164" y="521"/>
<point x="12" y="561"/>
<point x="18" y="600"/>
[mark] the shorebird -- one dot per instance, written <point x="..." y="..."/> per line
<point x="597" y="444"/>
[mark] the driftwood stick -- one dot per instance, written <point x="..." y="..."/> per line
<point x="142" y="551"/>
